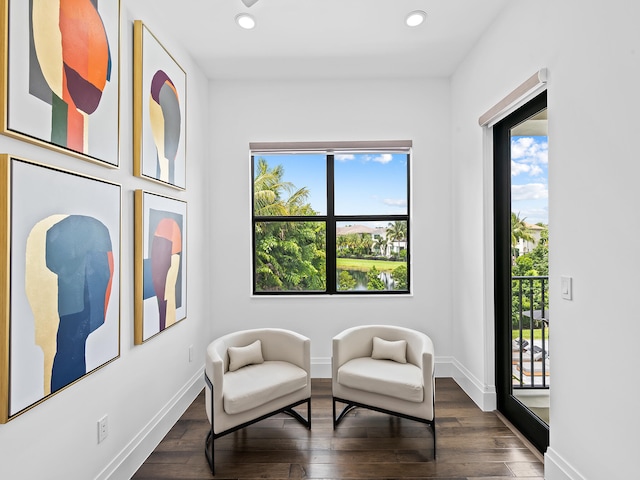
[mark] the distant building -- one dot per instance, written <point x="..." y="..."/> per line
<point x="377" y="234"/>
<point x="526" y="246"/>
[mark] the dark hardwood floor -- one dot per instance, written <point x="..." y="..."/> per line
<point x="472" y="445"/>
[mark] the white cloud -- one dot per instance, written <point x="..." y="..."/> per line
<point x="535" y="170"/>
<point x="528" y="155"/>
<point x="531" y="191"/>
<point x="530" y="151"/>
<point x="518" y="168"/>
<point x="520" y="146"/>
<point x="345" y="157"/>
<point x="383" y="158"/>
<point x="535" y="215"/>
<point x="392" y="202"/>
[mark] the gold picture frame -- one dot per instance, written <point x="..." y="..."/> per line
<point x="48" y="94"/>
<point x="59" y="280"/>
<point x="159" y="111"/>
<point x="160" y="270"/>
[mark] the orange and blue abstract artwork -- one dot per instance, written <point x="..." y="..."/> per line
<point x="163" y="267"/>
<point x="165" y="120"/>
<point x="68" y="279"/>
<point x="70" y="65"/>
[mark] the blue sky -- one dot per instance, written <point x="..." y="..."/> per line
<point x="529" y="178"/>
<point x="366" y="183"/>
<point x="375" y="183"/>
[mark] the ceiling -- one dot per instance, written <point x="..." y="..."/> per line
<point x="536" y="125"/>
<point x="323" y="38"/>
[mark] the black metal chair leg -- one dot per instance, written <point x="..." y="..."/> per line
<point x="433" y="427"/>
<point x="209" y="456"/>
<point x="334" y="412"/>
<point x="351" y="405"/>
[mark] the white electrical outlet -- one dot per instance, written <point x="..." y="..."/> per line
<point x="103" y="429"/>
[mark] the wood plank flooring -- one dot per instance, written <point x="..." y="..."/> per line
<point x="472" y="445"/>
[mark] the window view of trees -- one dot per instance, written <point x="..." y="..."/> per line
<point x="292" y="215"/>
<point x="372" y="258"/>
<point x="532" y="261"/>
<point x="288" y="255"/>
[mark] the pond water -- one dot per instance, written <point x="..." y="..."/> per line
<point x="360" y="277"/>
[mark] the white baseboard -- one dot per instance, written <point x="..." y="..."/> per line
<point x="483" y="395"/>
<point x="556" y="468"/>
<point x="320" y="367"/>
<point x="129" y="460"/>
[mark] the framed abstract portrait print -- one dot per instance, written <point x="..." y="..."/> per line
<point x="159" y="111"/>
<point x="59" y="278"/>
<point x="160" y="264"/>
<point x="60" y="75"/>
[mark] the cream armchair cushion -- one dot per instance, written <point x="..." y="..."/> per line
<point x="253" y="374"/>
<point x="254" y="385"/>
<point x="384" y="377"/>
<point x="386" y="350"/>
<point x="242" y="356"/>
<point x="366" y="375"/>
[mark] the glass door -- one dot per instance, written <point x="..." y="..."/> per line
<point x="521" y="235"/>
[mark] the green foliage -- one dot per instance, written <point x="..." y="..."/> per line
<point x="374" y="282"/>
<point x="524" y="264"/>
<point x="525" y="293"/>
<point x="519" y="229"/>
<point x="289" y="255"/>
<point x="397" y="231"/>
<point x="346" y="281"/>
<point x="534" y="263"/>
<point x="399" y="275"/>
<point x="354" y="244"/>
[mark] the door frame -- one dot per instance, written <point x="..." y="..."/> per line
<point x="534" y="429"/>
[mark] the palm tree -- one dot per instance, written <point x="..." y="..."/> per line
<point x="382" y="244"/>
<point x="519" y="231"/>
<point x="342" y="243"/>
<point x="269" y="190"/>
<point x="544" y="235"/>
<point x="397" y="231"/>
<point x="366" y="243"/>
<point x="289" y="255"/>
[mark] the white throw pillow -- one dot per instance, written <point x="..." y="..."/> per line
<point x="389" y="350"/>
<point x="242" y="356"/>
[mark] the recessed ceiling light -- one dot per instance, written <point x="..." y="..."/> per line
<point x="245" y="21"/>
<point x="415" y="18"/>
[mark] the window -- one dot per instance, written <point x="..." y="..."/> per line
<point x="331" y="221"/>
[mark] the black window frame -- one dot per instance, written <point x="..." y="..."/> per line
<point x="331" y="220"/>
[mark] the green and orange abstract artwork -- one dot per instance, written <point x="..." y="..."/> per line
<point x="62" y="81"/>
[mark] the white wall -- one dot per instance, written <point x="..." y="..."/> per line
<point x="592" y="56"/>
<point x="146" y="389"/>
<point x="594" y="68"/>
<point x="507" y="54"/>
<point x="256" y="111"/>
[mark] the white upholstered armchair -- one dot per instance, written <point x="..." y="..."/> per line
<point x="384" y="368"/>
<point x="251" y="375"/>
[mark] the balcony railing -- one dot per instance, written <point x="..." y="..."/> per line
<point x="530" y="325"/>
